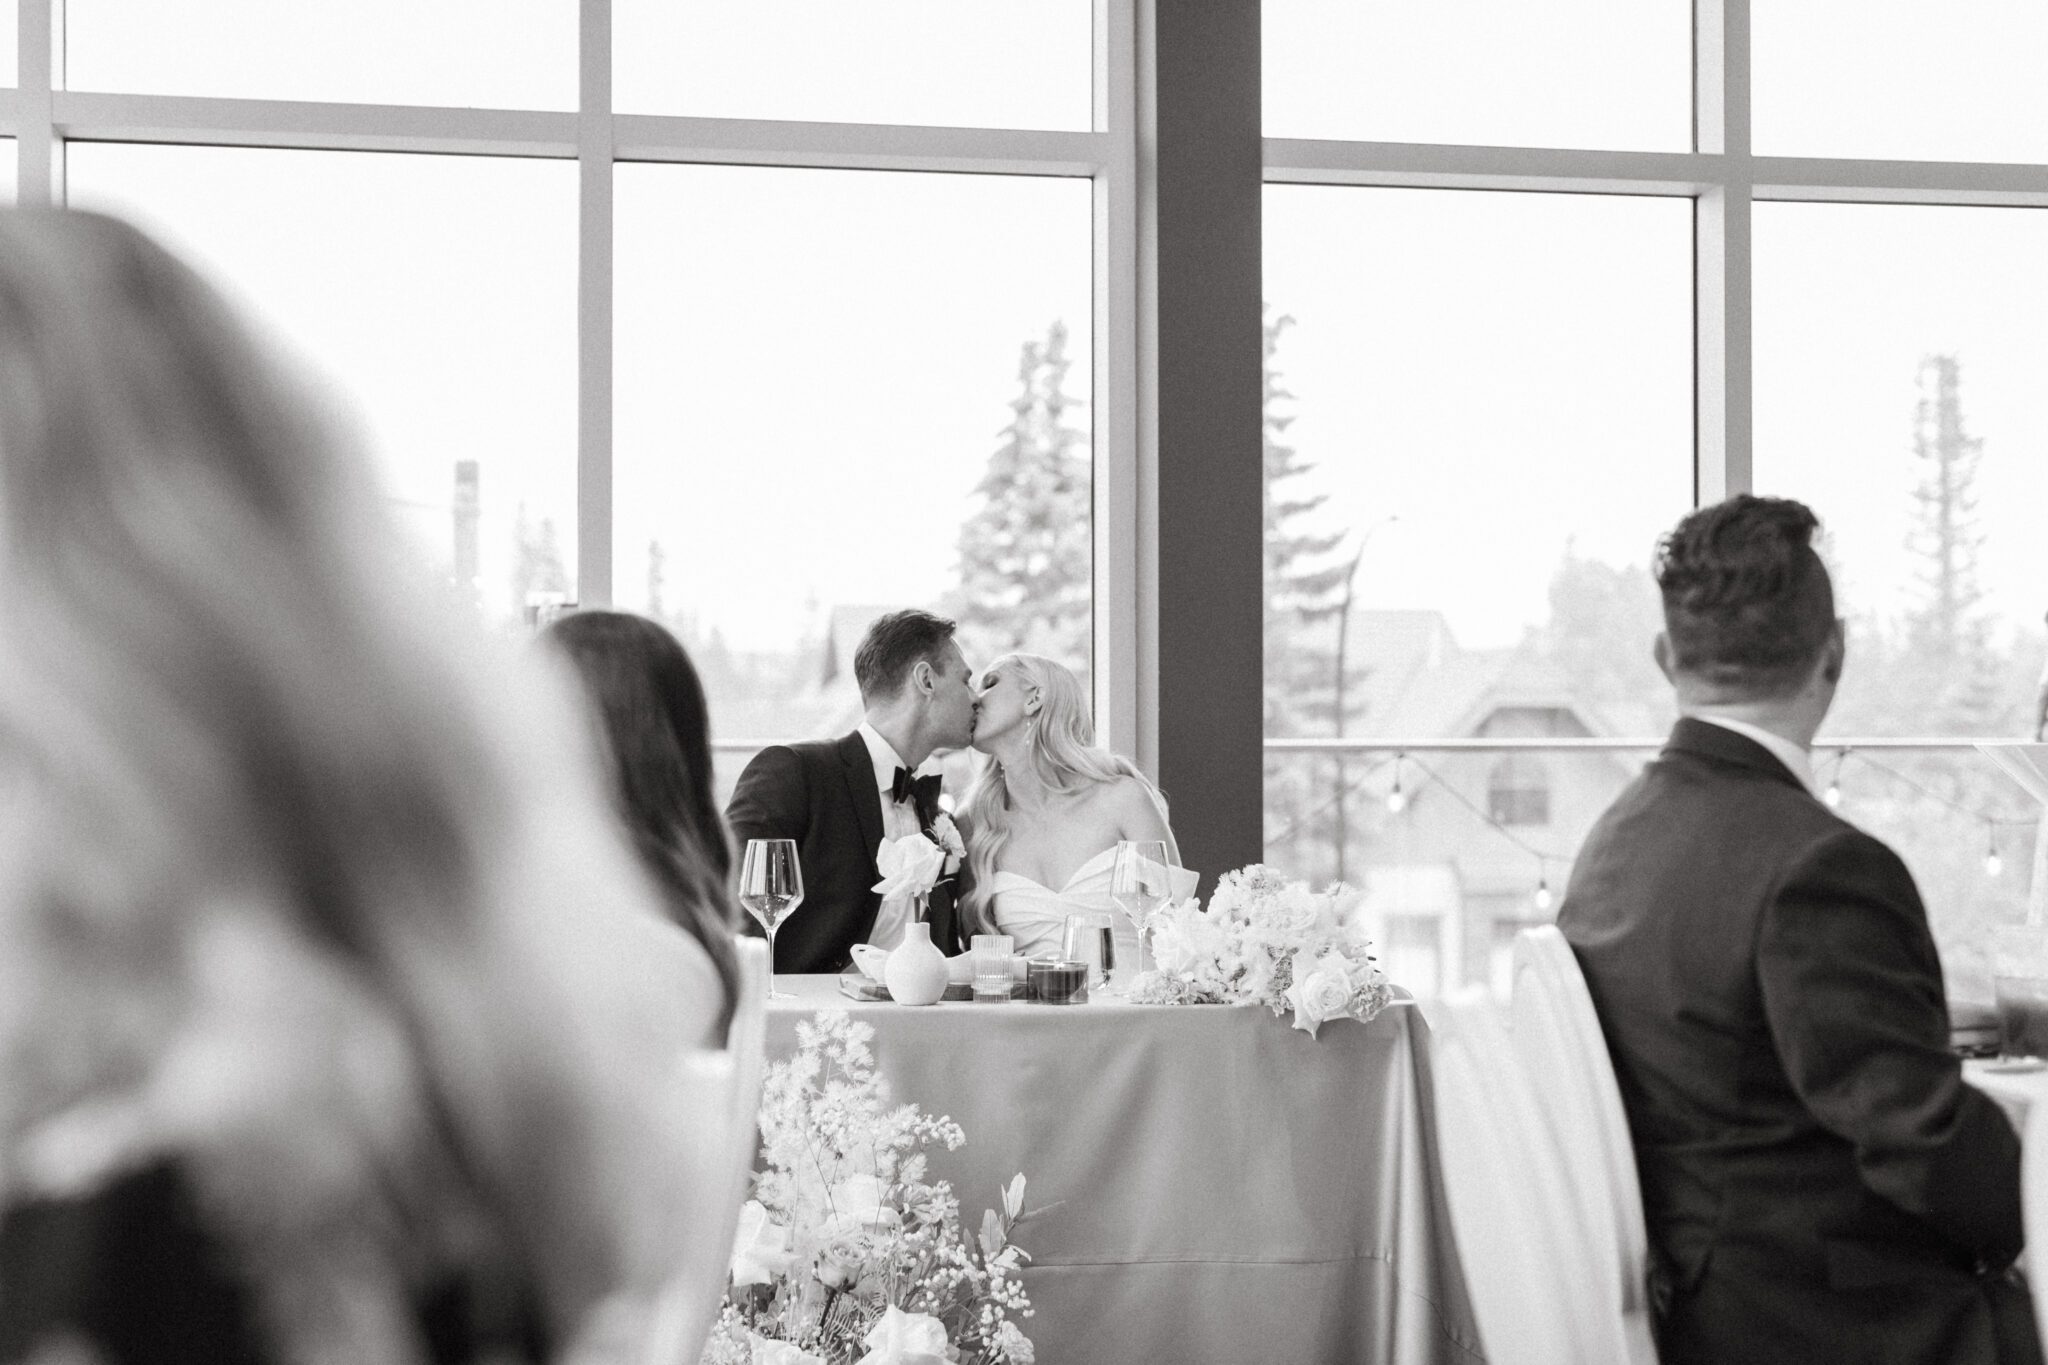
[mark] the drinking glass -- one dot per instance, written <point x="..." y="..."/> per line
<point x="771" y="886"/>
<point x="1140" y="882"/>
<point x="2020" y="986"/>
<point x="991" y="954"/>
<point x="1091" y="938"/>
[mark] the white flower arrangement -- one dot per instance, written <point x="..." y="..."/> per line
<point x="847" y="1255"/>
<point x="1267" y="940"/>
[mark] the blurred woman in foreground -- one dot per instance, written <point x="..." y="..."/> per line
<point x="656" y="728"/>
<point x="300" y="1059"/>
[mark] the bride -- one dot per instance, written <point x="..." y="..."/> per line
<point x="1045" y="818"/>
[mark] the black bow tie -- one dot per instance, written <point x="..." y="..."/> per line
<point x="921" y="791"/>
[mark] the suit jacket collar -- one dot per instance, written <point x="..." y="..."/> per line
<point x="858" y="767"/>
<point x="1704" y="739"/>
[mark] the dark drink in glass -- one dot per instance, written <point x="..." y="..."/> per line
<point x="2022" y="1016"/>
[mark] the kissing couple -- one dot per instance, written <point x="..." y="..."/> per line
<point x="1034" y="840"/>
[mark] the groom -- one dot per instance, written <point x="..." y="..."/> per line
<point x="839" y="799"/>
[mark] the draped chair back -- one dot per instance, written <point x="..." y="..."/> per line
<point x="2034" y="1207"/>
<point x="1557" y="1035"/>
<point x="722" y="1091"/>
<point x="1541" y="1199"/>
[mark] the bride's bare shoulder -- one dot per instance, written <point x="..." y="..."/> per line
<point x="1133" y="800"/>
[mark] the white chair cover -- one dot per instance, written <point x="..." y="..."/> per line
<point x="724" y="1088"/>
<point x="2034" y="1210"/>
<point x="1510" y="1208"/>
<point x="1538" y="1170"/>
<point x="1557" y="1035"/>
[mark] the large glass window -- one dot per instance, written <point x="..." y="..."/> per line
<point x="435" y="296"/>
<point x="1581" y="73"/>
<point x="880" y="61"/>
<point x="516" y="54"/>
<point x="1899" y="355"/>
<point x="1901" y="79"/>
<point x="1479" y="417"/>
<point x="841" y="392"/>
<point x="10" y="41"/>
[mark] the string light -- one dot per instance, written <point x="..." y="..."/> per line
<point x="1397" y="800"/>
<point x="1993" y="864"/>
<point x="1833" y="795"/>
<point x="1544" y="900"/>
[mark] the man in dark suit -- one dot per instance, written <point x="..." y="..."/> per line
<point x="839" y="799"/>
<point x="1820" y="1183"/>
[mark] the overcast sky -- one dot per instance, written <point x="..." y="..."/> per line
<point x="812" y="366"/>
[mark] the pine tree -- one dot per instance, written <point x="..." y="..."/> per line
<point x="536" y="559"/>
<point x="1304" y="589"/>
<point x="1947" y="536"/>
<point x="657" y="580"/>
<point x="1305" y="594"/>
<point x="1955" y="678"/>
<point x="1026" y="554"/>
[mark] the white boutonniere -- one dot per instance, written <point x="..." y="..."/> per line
<point x="947" y="835"/>
<point x="910" y="866"/>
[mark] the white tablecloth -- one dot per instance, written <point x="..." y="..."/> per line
<point x="1224" y="1188"/>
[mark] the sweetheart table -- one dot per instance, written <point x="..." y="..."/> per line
<point x="1216" y="1186"/>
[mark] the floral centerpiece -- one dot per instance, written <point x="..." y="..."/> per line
<point x="1265" y="939"/>
<point x="847" y="1254"/>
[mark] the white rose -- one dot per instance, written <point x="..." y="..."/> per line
<point x="768" y="1352"/>
<point x="760" y="1250"/>
<point x="864" y="1199"/>
<point x="1173" y="929"/>
<point x="948" y="836"/>
<point x="901" y="1338"/>
<point x="1013" y="1345"/>
<point x="1293" y="911"/>
<point x="1321" y="990"/>
<point x="909" y="866"/>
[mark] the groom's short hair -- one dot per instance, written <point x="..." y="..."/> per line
<point x="895" y="644"/>
<point x="1747" y="602"/>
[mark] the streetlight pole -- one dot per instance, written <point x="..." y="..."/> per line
<point x="1343" y="669"/>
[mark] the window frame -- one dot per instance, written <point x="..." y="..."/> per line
<point x="43" y="117"/>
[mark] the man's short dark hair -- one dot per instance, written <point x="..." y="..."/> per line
<point x="1747" y="602"/>
<point x="895" y="644"/>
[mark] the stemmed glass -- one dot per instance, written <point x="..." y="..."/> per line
<point x="1140" y="882"/>
<point x="771" y="886"/>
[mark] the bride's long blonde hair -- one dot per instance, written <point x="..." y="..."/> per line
<point x="1062" y="752"/>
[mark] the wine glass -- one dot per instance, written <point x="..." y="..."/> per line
<point x="771" y="886"/>
<point x="1139" y="883"/>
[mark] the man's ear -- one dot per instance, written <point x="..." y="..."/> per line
<point x="1660" y="650"/>
<point x="921" y="677"/>
<point x="1834" y="652"/>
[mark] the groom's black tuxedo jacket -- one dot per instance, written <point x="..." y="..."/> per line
<point x="822" y="794"/>
<point x="1819" y="1182"/>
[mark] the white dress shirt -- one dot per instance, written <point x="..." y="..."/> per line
<point x="1797" y="761"/>
<point x="898" y="819"/>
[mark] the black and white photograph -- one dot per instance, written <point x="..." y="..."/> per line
<point x="1023" y="682"/>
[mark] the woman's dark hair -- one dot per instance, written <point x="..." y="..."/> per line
<point x="657" y="729"/>
<point x="1747" y="602"/>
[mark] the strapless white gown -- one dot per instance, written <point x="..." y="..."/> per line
<point x="1035" y="916"/>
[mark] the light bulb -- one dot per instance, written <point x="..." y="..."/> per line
<point x="1397" y="800"/>
<point x="1833" y="796"/>
<point x="1544" y="900"/>
<point x="1993" y="864"/>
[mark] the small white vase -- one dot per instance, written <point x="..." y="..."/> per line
<point x="916" y="973"/>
